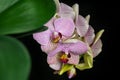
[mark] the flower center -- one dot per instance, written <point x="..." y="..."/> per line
<point x="64" y="57"/>
<point x="56" y="37"/>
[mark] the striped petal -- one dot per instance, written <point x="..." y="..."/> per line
<point x="65" y="26"/>
<point x="96" y="48"/>
<point x="54" y="62"/>
<point x="66" y="11"/>
<point x="78" y="48"/>
<point x="82" y="26"/>
<point x="75" y="48"/>
<point x="50" y="23"/>
<point x="43" y="38"/>
<point x="89" y="37"/>
<point x="49" y="47"/>
<point x="74" y="59"/>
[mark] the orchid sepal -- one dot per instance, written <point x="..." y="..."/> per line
<point x="65" y="68"/>
<point x="88" y="61"/>
<point x="98" y="35"/>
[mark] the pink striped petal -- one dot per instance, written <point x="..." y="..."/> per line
<point x="82" y="26"/>
<point x="65" y="26"/>
<point x="89" y="37"/>
<point x="78" y="48"/>
<point x="74" y="59"/>
<point x="50" y="23"/>
<point x="96" y="48"/>
<point x="56" y="66"/>
<point x="66" y="11"/>
<point x="49" y="47"/>
<point x="43" y="38"/>
<point x="54" y="62"/>
<point x="55" y="51"/>
<point x="75" y="48"/>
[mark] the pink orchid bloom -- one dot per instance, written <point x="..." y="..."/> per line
<point x="58" y="30"/>
<point x="60" y="27"/>
<point x="94" y="41"/>
<point x="69" y="36"/>
<point x="87" y="32"/>
<point x="67" y="53"/>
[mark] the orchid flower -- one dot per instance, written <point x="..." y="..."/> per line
<point x="66" y="53"/>
<point x="58" y="30"/>
<point x="69" y="38"/>
<point x="85" y="31"/>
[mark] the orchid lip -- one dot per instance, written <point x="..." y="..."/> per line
<point x="56" y="37"/>
<point x="64" y="58"/>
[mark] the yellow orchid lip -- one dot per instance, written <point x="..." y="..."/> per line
<point x="56" y="40"/>
<point x="64" y="57"/>
<point x="56" y="37"/>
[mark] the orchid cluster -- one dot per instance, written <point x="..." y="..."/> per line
<point x="69" y="42"/>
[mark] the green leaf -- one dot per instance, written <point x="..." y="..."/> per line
<point x="18" y="16"/>
<point x="5" y="4"/>
<point x="14" y="60"/>
<point x="65" y="67"/>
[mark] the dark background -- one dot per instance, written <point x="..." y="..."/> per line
<point x="104" y="15"/>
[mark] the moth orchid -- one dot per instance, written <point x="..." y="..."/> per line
<point x="59" y="30"/>
<point x="70" y="42"/>
<point x="66" y="53"/>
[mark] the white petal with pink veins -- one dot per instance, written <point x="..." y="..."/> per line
<point x="74" y="59"/>
<point x="81" y="26"/>
<point x="66" y="11"/>
<point x="65" y="26"/>
<point x="96" y="48"/>
<point x="54" y="62"/>
<point x="89" y="37"/>
<point x="43" y="38"/>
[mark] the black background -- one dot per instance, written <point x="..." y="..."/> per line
<point x="104" y="15"/>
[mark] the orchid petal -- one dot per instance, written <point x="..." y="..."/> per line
<point x="74" y="59"/>
<point x="65" y="67"/>
<point x="54" y="52"/>
<point x="81" y="26"/>
<point x="54" y="62"/>
<point x="65" y="26"/>
<point x="78" y="48"/>
<point x="96" y="48"/>
<point x="66" y="11"/>
<point x="42" y="38"/>
<point x="75" y="48"/>
<point x="49" y="24"/>
<point x="98" y="35"/>
<point x="89" y="37"/>
<point x="49" y="47"/>
<point x="56" y="66"/>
